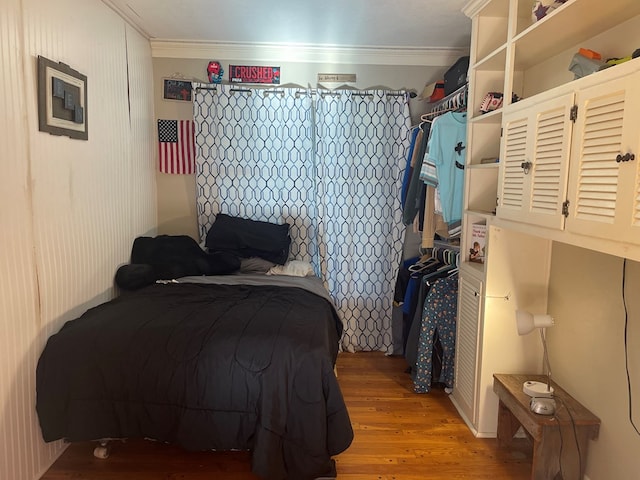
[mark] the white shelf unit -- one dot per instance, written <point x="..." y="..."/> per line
<point x="510" y="53"/>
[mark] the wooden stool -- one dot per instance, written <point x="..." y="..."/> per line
<point x="565" y="433"/>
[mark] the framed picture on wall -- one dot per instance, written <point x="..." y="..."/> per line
<point x="62" y="100"/>
<point x="175" y="89"/>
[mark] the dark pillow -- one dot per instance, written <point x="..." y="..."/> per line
<point x="249" y="238"/>
<point x="223" y="263"/>
<point x="171" y="256"/>
<point x="133" y="277"/>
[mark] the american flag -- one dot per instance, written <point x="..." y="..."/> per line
<point x="177" y="150"/>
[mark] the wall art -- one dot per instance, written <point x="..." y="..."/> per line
<point x="175" y="89"/>
<point x="62" y="100"/>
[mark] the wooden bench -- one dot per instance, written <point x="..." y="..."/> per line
<point x="560" y="441"/>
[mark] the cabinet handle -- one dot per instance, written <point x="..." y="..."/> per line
<point x="627" y="157"/>
<point x="526" y="166"/>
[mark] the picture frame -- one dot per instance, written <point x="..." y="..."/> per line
<point x="62" y="100"/>
<point x="177" y="89"/>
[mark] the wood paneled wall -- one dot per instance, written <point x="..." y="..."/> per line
<point x="69" y="209"/>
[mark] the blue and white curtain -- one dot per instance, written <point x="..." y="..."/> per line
<point x="327" y="163"/>
<point x="361" y="143"/>
<point x="254" y="160"/>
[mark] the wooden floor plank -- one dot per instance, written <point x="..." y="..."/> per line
<point x="399" y="435"/>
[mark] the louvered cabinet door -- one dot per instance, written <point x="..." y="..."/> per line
<point x="465" y="391"/>
<point x="535" y="161"/>
<point x="513" y="184"/>
<point x="604" y="193"/>
<point x="552" y="128"/>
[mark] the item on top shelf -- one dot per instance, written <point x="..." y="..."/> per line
<point x="433" y="92"/>
<point x="492" y="101"/>
<point x="438" y="92"/>
<point x="542" y="8"/>
<point x="456" y="76"/>
<point x="617" y="61"/>
<point x="478" y="242"/>
<point x="611" y="62"/>
<point x="585" y="52"/>
<point x="582" y="66"/>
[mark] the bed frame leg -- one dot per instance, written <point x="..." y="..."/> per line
<point x="102" y="450"/>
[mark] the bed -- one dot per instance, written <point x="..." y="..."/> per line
<point x="241" y="361"/>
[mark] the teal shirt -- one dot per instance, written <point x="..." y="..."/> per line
<point x="447" y="151"/>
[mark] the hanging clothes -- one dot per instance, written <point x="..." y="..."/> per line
<point x="447" y="150"/>
<point x="413" y="304"/>
<point x="406" y="179"/>
<point x="439" y="319"/>
<point x="414" y="193"/>
<point x="423" y="273"/>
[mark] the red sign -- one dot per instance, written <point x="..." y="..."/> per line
<point x="254" y="74"/>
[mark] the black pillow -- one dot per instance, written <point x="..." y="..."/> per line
<point x="174" y="256"/>
<point x="133" y="277"/>
<point x="171" y="256"/>
<point x="249" y="238"/>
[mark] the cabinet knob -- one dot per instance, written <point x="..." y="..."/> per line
<point x="627" y="157"/>
<point x="526" y="166"/>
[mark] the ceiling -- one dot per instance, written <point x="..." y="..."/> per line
<point x="399" y="24"/>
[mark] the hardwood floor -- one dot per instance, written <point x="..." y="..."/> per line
<point x="399" y="435"/>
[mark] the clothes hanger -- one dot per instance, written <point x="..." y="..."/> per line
<point x="437" y="273"/>
<point x="420" y="265"/>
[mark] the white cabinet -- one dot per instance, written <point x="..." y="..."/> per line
<point x="555" y="179"/>
<point x="604" y="181"/>
<point x="535" y="161"/>
<point x="571" y="163"/>
<point x="465" y="393"/>
<point x="516" y="273"/>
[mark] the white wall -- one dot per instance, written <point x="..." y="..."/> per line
<point x="587" y="351"/>
<point x="69" y="209"/>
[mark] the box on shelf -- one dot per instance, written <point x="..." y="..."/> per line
<point x="478" y="242"/>
<point x="456" y="76"/>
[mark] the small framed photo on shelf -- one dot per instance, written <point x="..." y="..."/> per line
<point x="62" y="100"/>
<point x="176" y="89"/>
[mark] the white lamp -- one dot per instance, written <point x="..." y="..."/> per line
<point x="527" y="322"/>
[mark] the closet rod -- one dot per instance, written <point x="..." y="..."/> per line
<point x="304" y="91"/>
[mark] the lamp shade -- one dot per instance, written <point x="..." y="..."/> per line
<point x="527" y="322"/>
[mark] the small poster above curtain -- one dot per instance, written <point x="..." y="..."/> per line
<point x="176" y="146"/>
<point x="254" y="74"/>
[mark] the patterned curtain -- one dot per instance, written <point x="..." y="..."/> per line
<point x="254" y="159"/>
<point x="330" y="166"/>
<point x="361" y="145"/>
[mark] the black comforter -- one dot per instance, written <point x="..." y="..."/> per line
<point x="205" y="367"/>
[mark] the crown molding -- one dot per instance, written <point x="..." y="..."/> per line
<point x="268" y="52"/>
<point x="473" y="7"/>
<point x="130" y="16"/>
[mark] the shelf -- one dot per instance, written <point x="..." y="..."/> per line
<point x="480" y="213"/>
<point x="569" y="25"/>
<point x="496" y="60"/>
<point x="491" y="20"/>
<point x="489" y="117"/>
<point x="483" y="166"/>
